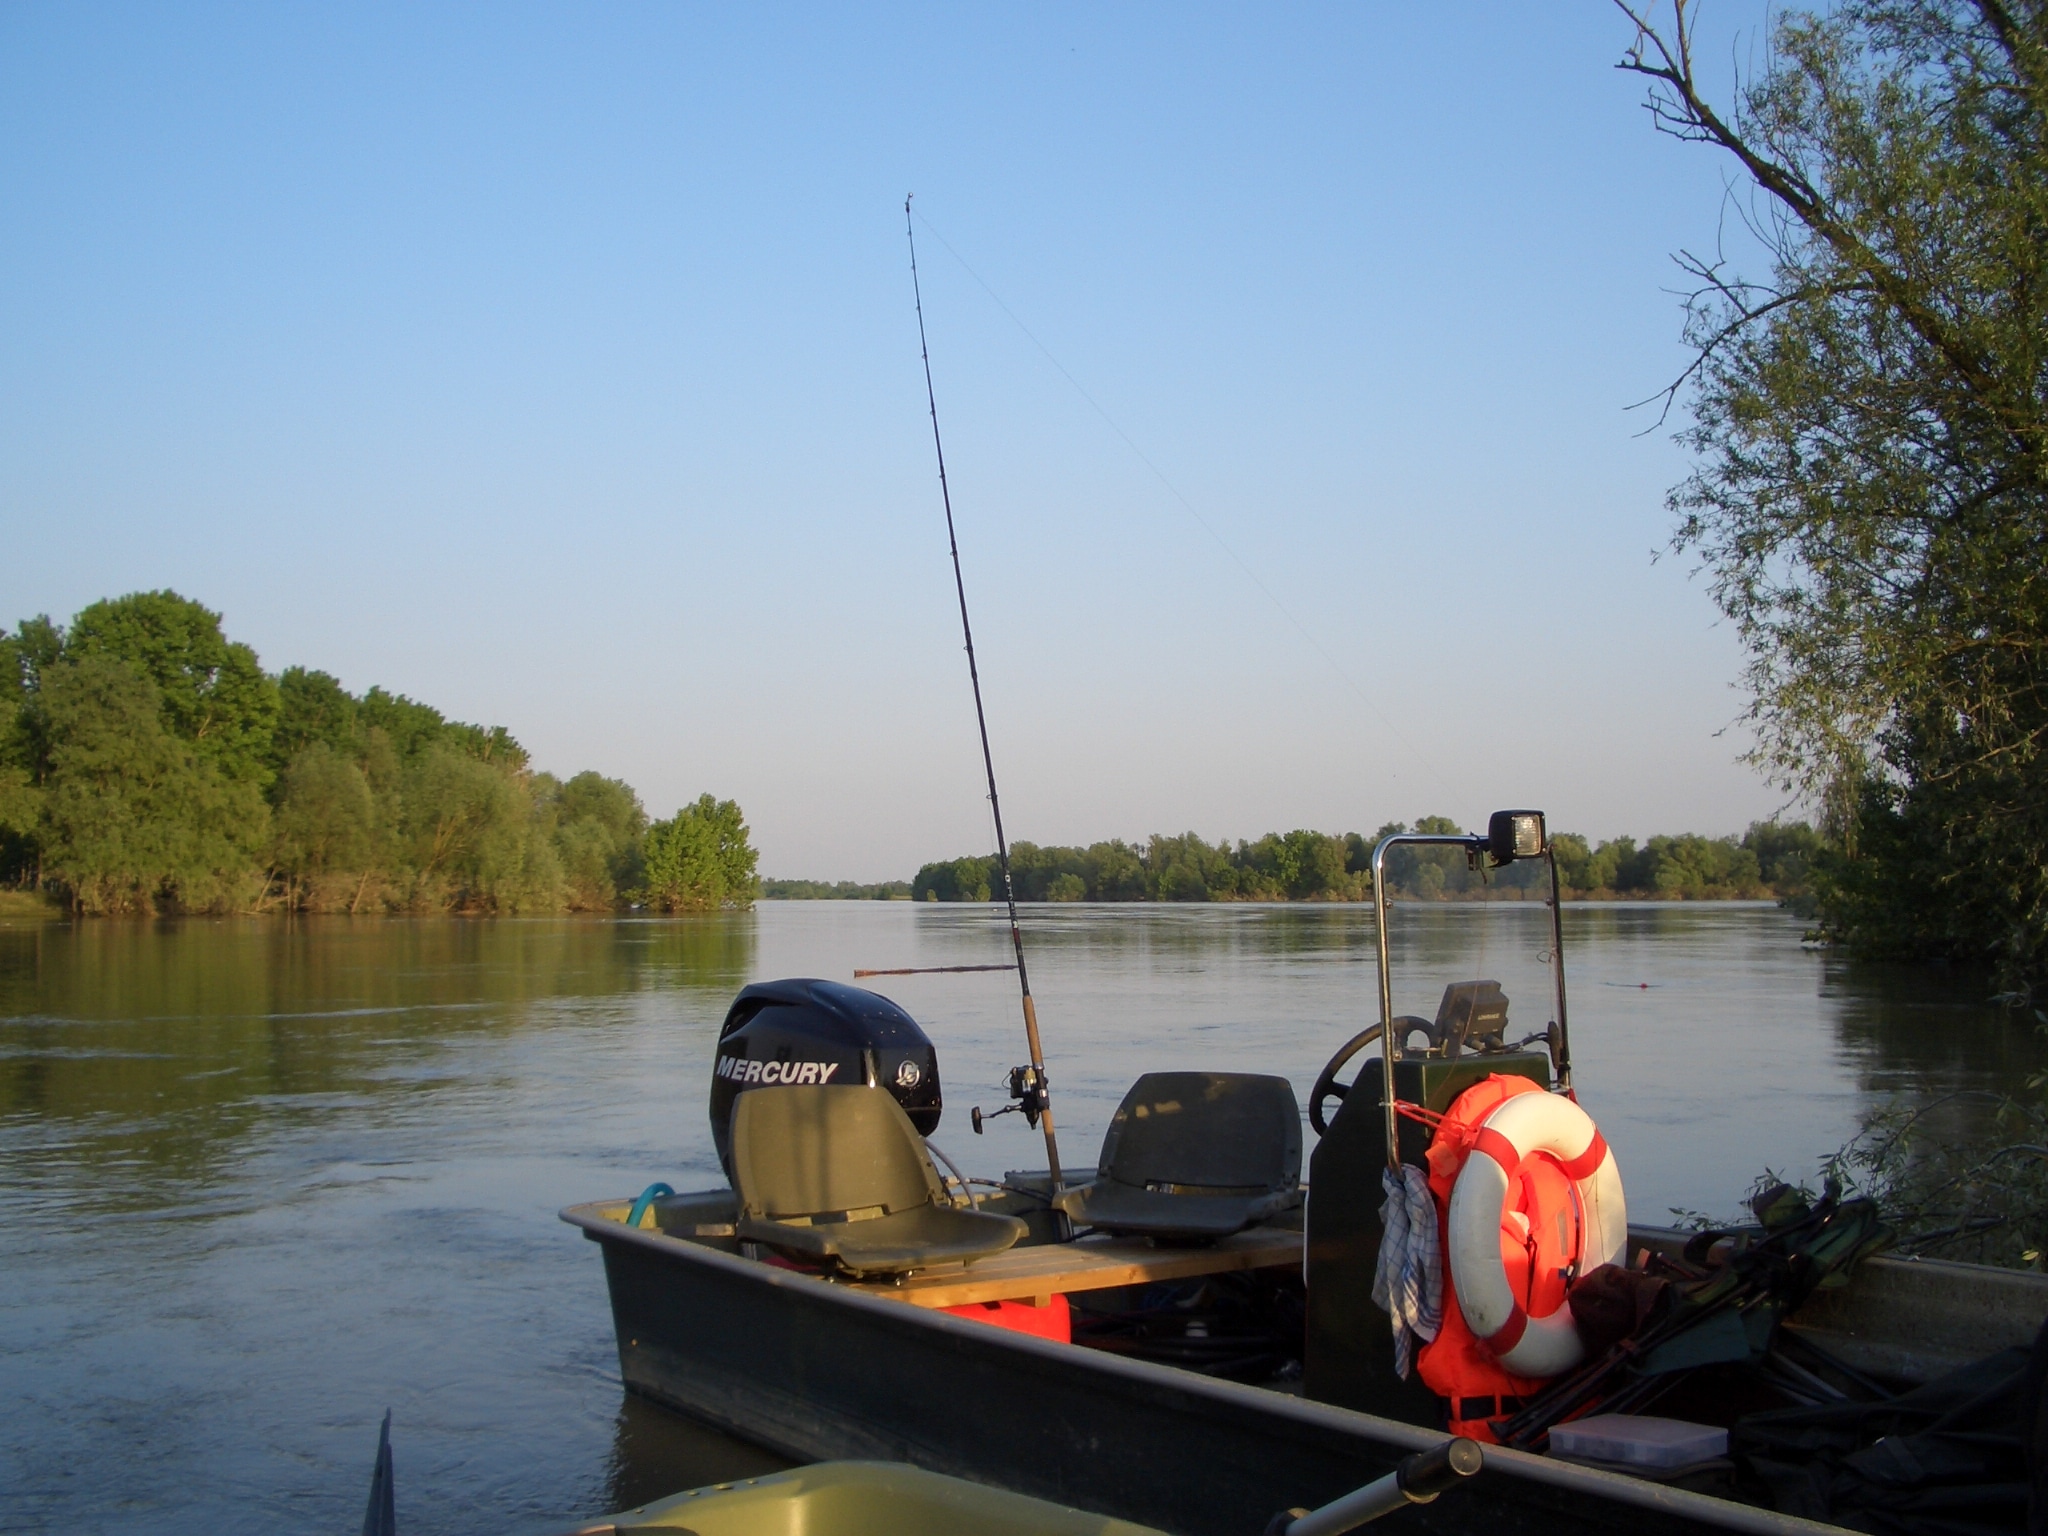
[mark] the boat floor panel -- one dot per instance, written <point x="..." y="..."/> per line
<point x="1040" y="1272"/>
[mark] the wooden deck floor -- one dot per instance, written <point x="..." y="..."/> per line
<point x="1091" y="1264"/>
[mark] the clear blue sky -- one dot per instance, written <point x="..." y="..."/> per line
<point x="556" y="366"/>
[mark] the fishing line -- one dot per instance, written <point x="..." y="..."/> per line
<point x="1038" y="1094"/>
<point x="1173" y="490"/>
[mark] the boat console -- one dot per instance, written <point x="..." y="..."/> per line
<point x="1348" y="1360"/>
<point x="1386" y="1119"/>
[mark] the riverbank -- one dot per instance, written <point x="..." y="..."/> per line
<point x="27" y="906"/>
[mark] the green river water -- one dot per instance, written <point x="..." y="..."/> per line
<point x="260" y="1180"/>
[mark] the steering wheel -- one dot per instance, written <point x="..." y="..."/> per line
<point x="1327" y="1086"/>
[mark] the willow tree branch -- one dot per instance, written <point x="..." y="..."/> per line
<point x="1669" y="64"/>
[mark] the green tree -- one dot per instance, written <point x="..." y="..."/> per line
<point x="1616" y="865"/>
<point x="135" y="818"/>
<point x="1871" y="420"/>
<point x="1770" y="858"/>
<point x="472" y="837"/>
<point x="312" y="707"/>
<point x="834" y="890"/>
<point x="700" y="859"/>
<point x="24" y="745"/>
<point x="1786" y="853"/>
<point x="25" y="656"/>
<point x="214" y="693"/>
<point x="408" y="726"/>
<point x="377" y="802"/>
<point x="599" y="827"/>
<point x="487" y="744"/>
<point x="1318" y="863"/>
<point x="1428" y="872"/>
<point x="965" y="879"/>
<point x="326" y="817"/>
<point x="1115" y="872"/>
<point x="1183" y="882"/>
<point x="1690" y="865"/>
<point x="1186" y="868"/>
<point x="1033" y="869"/>
<point x="1574" y="861"/>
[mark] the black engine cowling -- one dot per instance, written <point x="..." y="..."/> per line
<point x="803" y="1031"/>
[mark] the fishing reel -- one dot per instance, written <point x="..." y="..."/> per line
<point x="1028" y="1086"/>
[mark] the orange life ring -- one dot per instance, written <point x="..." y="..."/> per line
<point x="1538" y="1199"/>
<point x="1455" y="1365"/>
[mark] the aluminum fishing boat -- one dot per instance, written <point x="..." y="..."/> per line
<point x="1180" y="1343"/>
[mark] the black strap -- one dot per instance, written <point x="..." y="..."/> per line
<point x="1486" y="1407"/>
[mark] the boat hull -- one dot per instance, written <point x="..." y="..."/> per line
<point x="822" y="1372"/>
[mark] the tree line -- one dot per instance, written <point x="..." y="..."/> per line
<point x="835" y="890"/>
<point x="1770" y="860"/>
<point x="150" y="764"/>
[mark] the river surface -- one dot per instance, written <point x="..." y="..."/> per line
<point x="260" y="1180"/>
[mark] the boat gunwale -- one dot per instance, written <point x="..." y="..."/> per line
<point x="1615" y="1487"/>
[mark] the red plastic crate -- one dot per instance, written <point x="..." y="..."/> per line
<point x="1054" y="1321"/>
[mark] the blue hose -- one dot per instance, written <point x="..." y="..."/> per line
<point x="648" y="1196"/>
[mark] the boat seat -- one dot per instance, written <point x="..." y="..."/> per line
<point x="838" y="1175"/>
<point x="1195" y="1155"/>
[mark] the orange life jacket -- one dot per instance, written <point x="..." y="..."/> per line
<point x="1455" y="1365"/>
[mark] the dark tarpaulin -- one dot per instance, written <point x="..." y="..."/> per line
<point x="1950" y="1458"/>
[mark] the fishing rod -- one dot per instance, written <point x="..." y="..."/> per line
<point x="1027" y="1084"/>
<point x="931" y="970"/>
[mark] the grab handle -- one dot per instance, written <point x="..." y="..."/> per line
<point x="645" y="1203"/>
<point x="1417" y="1480"/>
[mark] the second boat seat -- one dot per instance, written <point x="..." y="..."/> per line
<point x="1194" y="1155"/>
<point x="839" y="1176"/>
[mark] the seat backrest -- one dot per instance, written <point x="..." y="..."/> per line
<point x="1205" y="1130"/>
<point x="807" y="1151"/>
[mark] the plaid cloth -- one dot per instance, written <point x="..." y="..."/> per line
<point x="1409" y="1284"/>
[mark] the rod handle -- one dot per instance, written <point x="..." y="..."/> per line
<point x="1429" y="1473"/>
<point x="1417" y="1480"/>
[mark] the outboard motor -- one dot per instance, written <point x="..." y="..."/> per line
<point x="802" y="1031"/>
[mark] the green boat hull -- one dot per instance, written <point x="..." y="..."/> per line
<point x="860" y="1498"/>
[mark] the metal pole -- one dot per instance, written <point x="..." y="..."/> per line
<point x="1417" y="1480"/>
<point x="1390" y="1048"/>
<point x="988" y="762"/>
<point x="1378" y="1498"/>
<point x="1387" y="1044"/>
<point x="1564" y="1038"/>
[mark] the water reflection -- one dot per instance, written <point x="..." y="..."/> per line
<point x="656" y="1453"/>
<point x="160" y="1047"/>
<point x="225" y="968"/>
<point x="259" y="1180"/>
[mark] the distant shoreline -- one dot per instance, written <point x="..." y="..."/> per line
<point x="36" y="906"/>
<point x="1400" y="898"/>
